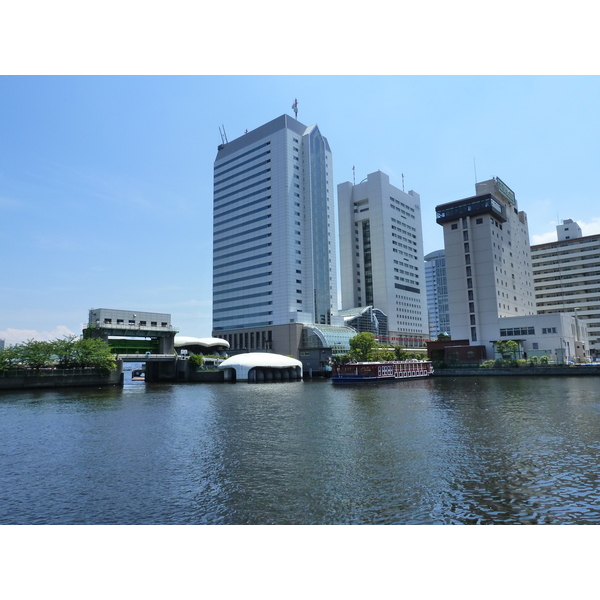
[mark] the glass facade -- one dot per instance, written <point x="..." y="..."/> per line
<point x="319" y="227"/>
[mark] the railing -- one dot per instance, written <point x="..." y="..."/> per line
<point x="48" y="372"/>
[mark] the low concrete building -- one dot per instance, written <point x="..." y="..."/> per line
<point x="110" y="323"/>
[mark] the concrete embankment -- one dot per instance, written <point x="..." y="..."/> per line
<point x="60" y="378"/>
<point x="572" y="371"/>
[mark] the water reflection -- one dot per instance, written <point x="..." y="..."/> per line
<point x="471" y="450"/>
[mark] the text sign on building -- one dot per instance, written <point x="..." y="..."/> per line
<point x="505" y="191"/>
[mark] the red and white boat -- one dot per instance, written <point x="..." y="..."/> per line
<point x="381" y="371"/>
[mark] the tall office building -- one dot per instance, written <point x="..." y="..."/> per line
<point x="488" y="263"/>
<point x="437" y="294"/>
<point x="381" y="250"/>
<point x="274" y="256"/>
<point x="566" y="277"/>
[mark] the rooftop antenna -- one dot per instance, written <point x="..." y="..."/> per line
<point x="475" y="170"/>
<point x="402" y="181"/>
<point x="223" y="135"/>
<point x="295" y="107"/>
<point x="353" y="175"/>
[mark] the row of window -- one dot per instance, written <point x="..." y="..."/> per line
<point x="108" y="321"/>
<point x="512" y="331"/>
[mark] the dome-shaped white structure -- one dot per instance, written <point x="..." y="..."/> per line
<point x="201" y="345"/>
<point x="261" y="366"/>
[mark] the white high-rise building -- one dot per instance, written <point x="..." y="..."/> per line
<point x="437" y="294"/>
<point x="490" y="279"/>
<point x="274" y="255"/>
<point x="566" y="276"/>
<point x="381" y="250"/>
<point x="488" y="263"/>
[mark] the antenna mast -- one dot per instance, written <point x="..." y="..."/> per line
<point x="223" y="135"/>
<point x="295" y="107"/>
<point x="353" y="176"/>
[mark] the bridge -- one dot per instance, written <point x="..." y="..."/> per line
<point x="145" y="357"/>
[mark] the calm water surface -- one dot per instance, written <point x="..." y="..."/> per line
<point x="467" y="450"/>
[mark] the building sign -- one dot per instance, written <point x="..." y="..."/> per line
<point x="506" y="191"/>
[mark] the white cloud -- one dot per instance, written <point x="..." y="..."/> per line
<point x="591" y="228"/>
<point x="543" y="238"/>
<point x="18" y="336"/>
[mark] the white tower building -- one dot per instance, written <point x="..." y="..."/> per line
<point x="488" y="263"/>
<point x="381" y="250"/>
<point x="274" y="256"/>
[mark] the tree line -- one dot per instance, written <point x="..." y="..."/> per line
<point x="69" y="352"/>
<point x="364" y="347"/>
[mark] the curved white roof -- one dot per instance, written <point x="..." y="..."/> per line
<point x="242" y="363"/>
<point x="182" y="340"/>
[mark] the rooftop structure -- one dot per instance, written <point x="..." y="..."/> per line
<point x="208" y="345"/>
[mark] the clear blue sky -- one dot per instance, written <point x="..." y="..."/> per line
<point x="106" y="182"/>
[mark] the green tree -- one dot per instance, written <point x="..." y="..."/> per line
<point x="382" y="355"/>
<point x="196" y="360"/>
<point x="507" y="349"/>
<point x="9" y="358"/>
<point x="65" y="351"/>
<point x="94" y="353"/>
<point x="362" y="346"/>
<point x="36" y="354"/>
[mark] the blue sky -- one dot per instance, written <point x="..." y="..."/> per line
<point x="106" y="181"/>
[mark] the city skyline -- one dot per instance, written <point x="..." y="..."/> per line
<point x="106" y="182"/>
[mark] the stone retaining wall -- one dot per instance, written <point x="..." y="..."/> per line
<point x="57" y="378"/>
<point x="520" y="371"/>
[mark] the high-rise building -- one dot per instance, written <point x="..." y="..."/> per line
<point x="566" y="276"/>
<point x="491" y="295"/>
<point x="381" y="250"/>
<point x="274" y="255"/>
<point x="437" y="294"/>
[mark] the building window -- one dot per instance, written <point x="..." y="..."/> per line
<point x="454" y="226"/>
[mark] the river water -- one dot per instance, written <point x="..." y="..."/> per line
<point x="480" y="450"/>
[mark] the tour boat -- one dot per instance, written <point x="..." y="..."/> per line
<point x="381" y="371"/>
